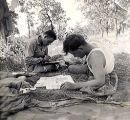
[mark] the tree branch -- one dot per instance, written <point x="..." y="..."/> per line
<point x="52" y="26"/>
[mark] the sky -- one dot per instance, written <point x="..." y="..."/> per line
<point x="72" y="11"/>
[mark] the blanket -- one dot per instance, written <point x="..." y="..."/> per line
<point x="14" y="101"/>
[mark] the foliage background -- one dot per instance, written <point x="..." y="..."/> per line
<point x="105" y="21"/>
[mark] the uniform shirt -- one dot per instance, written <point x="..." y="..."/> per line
<point x="35" y="51"/>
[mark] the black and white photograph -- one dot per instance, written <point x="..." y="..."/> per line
<point x="64" y="59"/>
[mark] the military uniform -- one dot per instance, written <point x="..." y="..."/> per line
<point x="35" y="53"/>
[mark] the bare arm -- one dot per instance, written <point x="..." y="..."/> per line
<point x="96" y="61"/>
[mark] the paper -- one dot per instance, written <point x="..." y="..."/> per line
<point x="53" y="82"/>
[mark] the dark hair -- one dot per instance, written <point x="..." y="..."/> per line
<point x="39" y="37"/>
<point x="51" y="33"/>
<point x="72" y="42"/>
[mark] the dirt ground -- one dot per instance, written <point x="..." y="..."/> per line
<point x="85" y="111"/>
<point x="78" y="112"/>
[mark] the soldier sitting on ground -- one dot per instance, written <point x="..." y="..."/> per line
<point x="99" y="61"/>
<point x="38" y="53"/>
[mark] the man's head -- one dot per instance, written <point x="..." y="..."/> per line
<point x="74" y="44"/>
<point x="48" y="37"/>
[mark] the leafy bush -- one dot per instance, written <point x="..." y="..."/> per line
<point x="13" y="54"/>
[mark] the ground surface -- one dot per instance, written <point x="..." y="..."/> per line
<point x="78" y="112"/>
<point x="87" y="111"/>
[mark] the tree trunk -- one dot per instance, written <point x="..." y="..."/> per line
<point x="116" y="26"/>
<point x="102" y="33"/>
<point x="123" y="27"/>
<point x="29" y="31"/>
<point x="107" y="28"/>
<point x="52" y="26"/>
<point x="2" y="37"/>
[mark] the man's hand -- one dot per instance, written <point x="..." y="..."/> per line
<point x="62" y="63"/>
<point x="47" y="58"/>
<point x="66" y="86"/>
<point x="69" y="86"/>
<point x="39" y="59"/>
